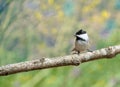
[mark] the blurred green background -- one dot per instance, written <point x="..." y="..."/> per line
<point x="30" y="29"/>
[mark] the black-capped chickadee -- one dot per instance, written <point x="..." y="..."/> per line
<point x="81" y="42"/>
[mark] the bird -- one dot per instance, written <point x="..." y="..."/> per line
<point x="81" y="41"/>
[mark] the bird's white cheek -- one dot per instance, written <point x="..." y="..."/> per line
<point x="84" y="36"/>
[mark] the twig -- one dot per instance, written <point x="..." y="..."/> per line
<point x="44" y="63"/>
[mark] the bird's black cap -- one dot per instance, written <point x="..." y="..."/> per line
<point x="80" y="32"/>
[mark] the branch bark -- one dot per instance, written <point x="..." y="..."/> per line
<point x="44" y="63"/>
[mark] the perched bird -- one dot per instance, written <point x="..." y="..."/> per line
<point x="81" y="42"/>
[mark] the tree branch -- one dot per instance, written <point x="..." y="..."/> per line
<point x="44" y="63"/>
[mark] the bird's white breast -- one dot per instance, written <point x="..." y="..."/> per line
<point x="81" y="45"/>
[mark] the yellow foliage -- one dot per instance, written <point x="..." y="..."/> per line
<point x="54" y="31"/>
<point x="38" y="15"/>
<point x="95" y="2"/>
<point x="60" y="14"/>
<point x="105" y="14"/>
<point x="102" y="17"/>
<point x="44" y="6"/>
<point x="86" y="9"/>
<point x="57" y="7"/>
<point x="91" y="5"/>
<point x="51" y="2"/>
<point x="97" y="18"/>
